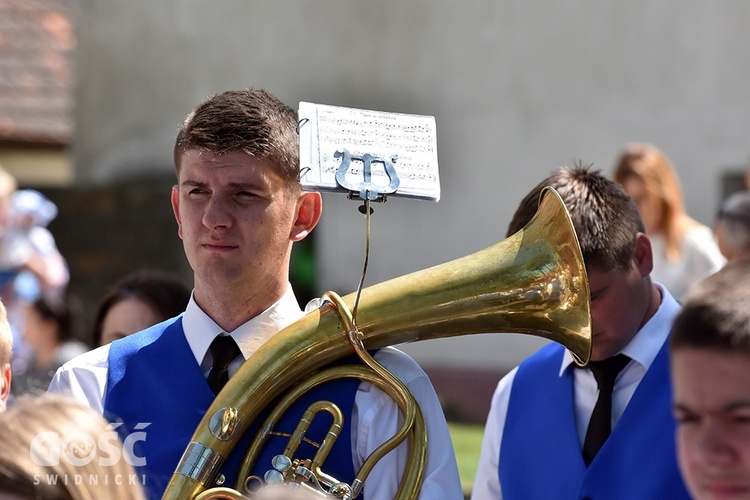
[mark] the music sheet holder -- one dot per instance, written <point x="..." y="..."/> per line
<point x="368" y="154"/>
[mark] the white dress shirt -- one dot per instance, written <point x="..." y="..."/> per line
<point x="377" y="417"/>
<point x="642" y="350"/>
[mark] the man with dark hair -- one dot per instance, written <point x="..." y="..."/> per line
<point x="548" y="431"/>
<point x="239" y="208"/>
<point x="732" y="227"/>
<point x="710" y="354"/>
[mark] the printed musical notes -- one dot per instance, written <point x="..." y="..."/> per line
<point x="375" y="142"/>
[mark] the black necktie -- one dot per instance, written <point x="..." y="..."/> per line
<point x="600" y="425"/>
<point x="223" y="349"/>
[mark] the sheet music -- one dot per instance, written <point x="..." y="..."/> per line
<point x="410" y="139"/>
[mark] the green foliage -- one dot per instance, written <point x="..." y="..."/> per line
<point x="467" y="442"/>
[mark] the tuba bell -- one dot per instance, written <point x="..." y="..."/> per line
<point x="533" y="282"/>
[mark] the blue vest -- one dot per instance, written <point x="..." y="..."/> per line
<point x="540" y="455"/>
<point x="154" y="381"/>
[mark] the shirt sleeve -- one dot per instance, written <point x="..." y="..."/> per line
<point x="84" y="378"/>
<point x="378" y="418"/>
<point x="487" y="479"/>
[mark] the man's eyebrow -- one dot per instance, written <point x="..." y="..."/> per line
<point x="191" y="182"/>
<point x="737" y="405"/>
<point x="246" y="185"/>
<point x="730" y="406"/>
<point x="253" y="186"/>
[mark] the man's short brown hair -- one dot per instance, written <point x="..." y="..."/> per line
<point x="605" y="218"/>
<point x="249" y="120"/>
<point x="716" y="311"/>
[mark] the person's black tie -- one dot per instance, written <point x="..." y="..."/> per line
<point x="600" y="424"/>
<point x="223" y="349"/>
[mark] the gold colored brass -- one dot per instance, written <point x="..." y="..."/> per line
<point x="224" y="423"/>
<point x="533" y="282"/>
<point x="221" y="494"/>
<point x="415" y="430"/>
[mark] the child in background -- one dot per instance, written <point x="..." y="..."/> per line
<point x="31" y="266"/>
<point x="31" y="213"/>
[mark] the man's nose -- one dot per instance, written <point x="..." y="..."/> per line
<point x="218" y="213"/>
<point x="715" y="445"/>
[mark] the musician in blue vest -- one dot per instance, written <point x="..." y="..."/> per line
<point x="604" y="432"/>
<point x="239" y="208"/>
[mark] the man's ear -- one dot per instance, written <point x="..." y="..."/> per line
<point x="176" y="208"/>
<point x="309" y="210"/>
<point x="644" y="257"/>
<point x="6" y="377"/>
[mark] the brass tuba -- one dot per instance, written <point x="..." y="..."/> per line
<point x="532" y="282"/>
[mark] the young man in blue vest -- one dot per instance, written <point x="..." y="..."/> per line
<point x="239" y="209"/>
<point x="537" y="443"/>
<point x="710" y="354"/>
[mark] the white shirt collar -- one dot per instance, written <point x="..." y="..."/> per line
<point x="650" y="338"/>
<point x="200" y="329"/>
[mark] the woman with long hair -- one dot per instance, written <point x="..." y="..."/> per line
<point x="684" y="250"/>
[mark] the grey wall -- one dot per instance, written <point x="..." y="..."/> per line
<point x="518" y="87"/>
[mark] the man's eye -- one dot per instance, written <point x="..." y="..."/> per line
<point x="683" y="418"/>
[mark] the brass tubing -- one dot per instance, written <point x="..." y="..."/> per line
<point x="410" y="482"/>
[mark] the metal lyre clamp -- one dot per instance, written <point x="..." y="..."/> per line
<point x="367" y="190"/>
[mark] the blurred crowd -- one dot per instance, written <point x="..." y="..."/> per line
<point x="46" y="320"/>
